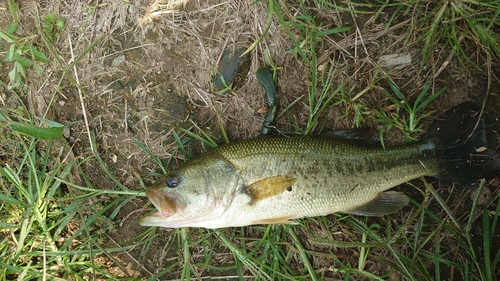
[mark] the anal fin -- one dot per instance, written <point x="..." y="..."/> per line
<point x="280" y="220"/>
<point x="385" y="203"/>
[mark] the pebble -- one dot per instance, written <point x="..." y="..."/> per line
<point x="66" y="132"/>
<point x="118" y="61"/>
<point x="395" y="61"/>
<point x="484" y="197"/>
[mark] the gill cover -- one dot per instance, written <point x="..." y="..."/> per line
<point x="200" y="189"/>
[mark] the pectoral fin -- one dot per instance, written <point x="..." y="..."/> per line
<point x="270" y="187"/>
<point x="385" y="203"/>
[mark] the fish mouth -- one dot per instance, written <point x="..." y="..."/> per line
<point x="164" y="202"/>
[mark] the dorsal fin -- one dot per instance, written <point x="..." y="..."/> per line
<point x="359" y="136"/>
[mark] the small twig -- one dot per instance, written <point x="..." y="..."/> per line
<point x="448" y="60"/>
<point x="82" y="103"/>
<point x="478" y="119"/>
<point x="125" y="117"/>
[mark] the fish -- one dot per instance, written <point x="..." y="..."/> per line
<point x="278" y="179"/>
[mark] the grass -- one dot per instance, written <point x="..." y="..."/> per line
<point x="449" y="21"/>
<point x="58" y="223"/>
<point x="410" y="124"/>
<point x="49" y="227"/>
<point x="53" y="220"/>
<point x="459" y="25"/>
<point x="22" y="52"/>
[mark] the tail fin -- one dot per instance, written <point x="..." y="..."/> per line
<point x="460" y="138"/>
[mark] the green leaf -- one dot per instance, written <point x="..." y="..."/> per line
<point x="37" y="55"/>
<point x="19" y="68"/>
<point x="13" y="8"/>
<point x="53" y="133"/>
<point x="11" y="175"/>
<point x="47" y="28"/>
<point x="50" y="18"/>
<point x="13" y="77"/>
<point x="38" y="69"/>
<point x="60" y="24"/>
<point x="10" y="53"/>
<point x="12" y="27"/>
<point x="9" y="199"/>
<point x="7" y="37"/>
<point x="3" y="117"/>
<point x="50" y="123"/>
<point x="24" y="61"/>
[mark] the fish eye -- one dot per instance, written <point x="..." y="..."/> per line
<point x="172" y="181"/>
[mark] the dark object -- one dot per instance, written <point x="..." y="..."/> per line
<point x="228" y="67"/>
<point x="265" y="78"/>
<point x="460" y="138"/>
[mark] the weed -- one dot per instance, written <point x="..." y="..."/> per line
<point x="41" y="220"/>
<point x="54" y="132"/>
<point x="22" y="52"/>
<point x="319" y="102"/>
<point x="53" y="26"/>
<point x="410" y="124"/>
<point x="226" y="88"/>
<point x="51" y="227"/>
<point x="360" y="110"/>
<point x="447" y="21"/>
<point x="320" y="93"/>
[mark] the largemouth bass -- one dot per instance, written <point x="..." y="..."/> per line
<point x="273" y="180"/>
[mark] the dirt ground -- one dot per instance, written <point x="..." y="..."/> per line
<point x="153" y="67"/>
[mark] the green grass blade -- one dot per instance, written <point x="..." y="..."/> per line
<point x="37" y="132"/>
<point x="303" y="255"/>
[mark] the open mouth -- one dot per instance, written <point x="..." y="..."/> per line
<point x="164" y="203"/>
